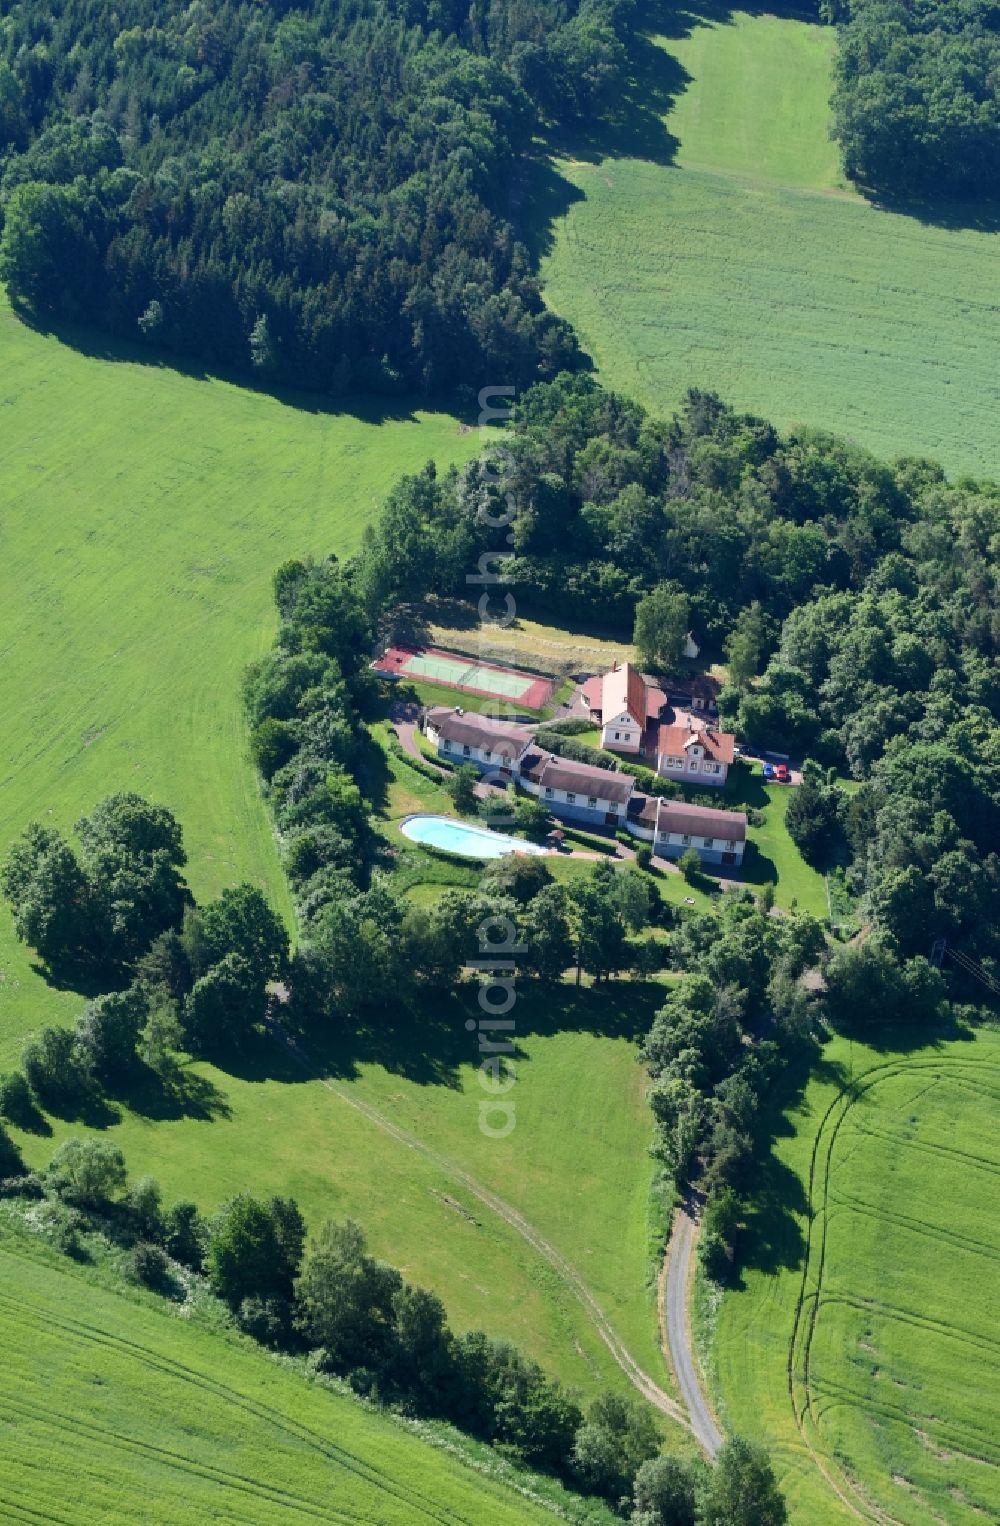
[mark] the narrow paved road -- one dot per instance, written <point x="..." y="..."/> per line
<point x="676" y="1319"/>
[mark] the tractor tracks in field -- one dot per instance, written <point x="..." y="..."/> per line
<point x="801" y="1391"/>
<point x="421" y="1506"/>
<point x="564" y="1269"/>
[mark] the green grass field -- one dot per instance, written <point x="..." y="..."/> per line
<point x="144" y="512"/>
<point x="884" y="1293"/>
<point x="116" y="1408"/>
<point x="742" y="264"/>
<point x="143" y="515"/>
<point x="576" y="1164"/>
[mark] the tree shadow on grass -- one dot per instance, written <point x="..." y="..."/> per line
<point x="889" y="1037"/>
<point x="95" y="344"/>
<point x="178" y="1092"/>
<point x="755" y="871"/>
<point x="954" y="216"/>
<point x="428" y="1041"/>
<point x="773" y="1236"/>
<point x="86" y="978"/>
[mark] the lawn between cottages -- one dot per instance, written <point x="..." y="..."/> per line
<point x="879" y="1214"/>
<point x="727" y="254"/>
<point x="113" y="1400"/>
<point x="771" y="858"/>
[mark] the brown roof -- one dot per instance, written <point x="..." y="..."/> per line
<point x="475" y="730"/>
<point x="624" y="689"/>
<point x="643" y="808"/>
<point x="532" y="763"/>
<point x="584" y="779"/>
<point x="720" y="746"/>
<point x="701" y="821"/>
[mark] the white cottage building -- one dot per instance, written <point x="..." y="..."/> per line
<point x="464" y="736"/>
<point x="673" y="826"/>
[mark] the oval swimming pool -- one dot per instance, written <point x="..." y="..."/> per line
<point x="463" y="837"/>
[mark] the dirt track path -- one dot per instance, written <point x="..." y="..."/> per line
<point x="640" y="1380"/>
<point x="675" y="1327"/>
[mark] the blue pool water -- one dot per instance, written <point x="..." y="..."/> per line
<point x="463" y="837"/>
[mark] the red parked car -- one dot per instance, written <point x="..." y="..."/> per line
<point x="781" y="773"/>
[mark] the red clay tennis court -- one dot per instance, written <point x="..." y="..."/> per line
<point x="431" y="666"/>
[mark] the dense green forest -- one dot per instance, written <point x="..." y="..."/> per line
<point x="917" y="98"/>
<point x="319" y="195"/>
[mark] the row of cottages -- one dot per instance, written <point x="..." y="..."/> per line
<point x="630" y="710"/>
<point x="581" y="793"/>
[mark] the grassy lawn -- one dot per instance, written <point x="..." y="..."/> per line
<point x="144" y="512"/>
<point x="771" y="856"/>
<point x="543" y="647"/>
<point x="483" y="704"/>
<point x="113" y="1401"/>
<point x="576" y="1164"/>
<point x="744" y="266"/>
<point x="135" y="584"/>
<point x="894" y="1356"/>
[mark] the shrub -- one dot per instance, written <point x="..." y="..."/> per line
<point x="577" y="752"/>
<point x="29" y="1185"/>
<point x="644" y="855"/>
<point x="573" y="725"/>
<point x="87" y="1171"/>
<point x="149" y="1264"/>
<point x="690" y="866"/>
<point x="184" y="1234"/>
<point x="143" y="1201"/>
<point x="461" y="786"/>
<point x="53" y="1067"/>
<point x="267" y="1320"/>
<point x="11" y="1163"/>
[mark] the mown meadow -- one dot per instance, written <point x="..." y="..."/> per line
<point x="144" y="513"/>
<point x="715" y="244"/>
<point x="862" y="1343"/>
<point x="112" y="1402"/>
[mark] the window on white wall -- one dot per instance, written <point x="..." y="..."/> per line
<point x="570" y="797"/>
<point x="592" y="801"/>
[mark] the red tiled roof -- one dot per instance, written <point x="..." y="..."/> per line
<point x="720" y="746"/>
<point x="624" y="689"/>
